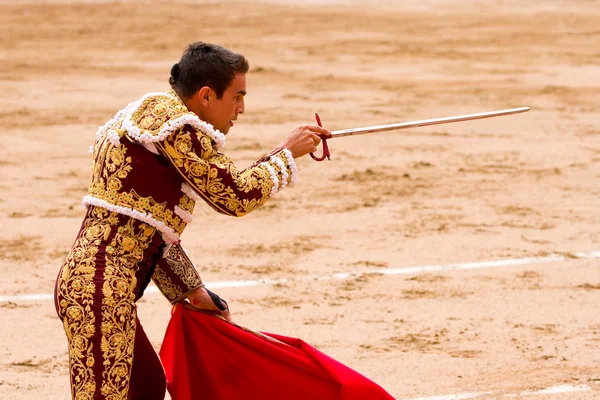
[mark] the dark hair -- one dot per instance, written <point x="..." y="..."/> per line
<point x="205" y="64"/>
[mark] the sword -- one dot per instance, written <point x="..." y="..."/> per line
<point x="410" y="124"/>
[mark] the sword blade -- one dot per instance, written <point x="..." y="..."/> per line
<point x="425" y="122"/>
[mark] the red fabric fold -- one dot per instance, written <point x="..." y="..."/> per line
<point x="207" y="358"/>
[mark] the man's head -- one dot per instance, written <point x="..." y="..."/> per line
<point x="212" y="82"/>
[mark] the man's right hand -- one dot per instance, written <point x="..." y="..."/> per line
<point x="304" y="139"/>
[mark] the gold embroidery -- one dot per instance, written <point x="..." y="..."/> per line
<point x="177" y="264"/>
<point x="75" y="294"/>
<point x="123" y="254"/>
<point x="183" y="267"/>
<point x="193" y="152"/>
<point x="112" y="165"/>
<point x="166" y="285"/>
<point x="205" y="170"/>
<point x="187" y="204"/>
<point x="154" y="111"/>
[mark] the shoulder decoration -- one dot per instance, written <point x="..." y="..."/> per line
<point x="155" y="117"/>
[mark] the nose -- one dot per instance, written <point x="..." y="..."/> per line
<point x="241" y="107"/>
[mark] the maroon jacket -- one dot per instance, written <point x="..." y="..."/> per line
<point x="155" y="159"/>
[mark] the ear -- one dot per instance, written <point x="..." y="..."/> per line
<point x="204" y="95"/>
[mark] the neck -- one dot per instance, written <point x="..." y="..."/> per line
<point x="190" y="103"/>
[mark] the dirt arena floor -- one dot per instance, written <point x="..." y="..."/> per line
<point x="504" y="188"/>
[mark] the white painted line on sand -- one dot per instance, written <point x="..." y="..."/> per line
<point x="591" y="254"/>
<point x="459" y="396"/>
<point x="553" y="390"/>
<point x="510" y="262"/>
<point x="548" y="391"/>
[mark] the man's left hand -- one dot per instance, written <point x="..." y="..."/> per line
<point x="206" y="300"/>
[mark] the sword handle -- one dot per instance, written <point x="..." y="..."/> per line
<point x="324" y="140"/>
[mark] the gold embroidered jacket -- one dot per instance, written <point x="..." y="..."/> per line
<point x="175" y="275"/>
<point x="155" y="159"/>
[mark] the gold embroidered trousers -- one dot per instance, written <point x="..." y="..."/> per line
<point x="106" y="272"/>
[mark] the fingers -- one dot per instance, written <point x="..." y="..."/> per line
<point x="209" y="302"/>
<point x="320" y="131"/>
<point x="316" y="139"/>
<point x="224" y="311"/>
<point x="304" y="139"/>
<point x="211" y="310"/>
<point x="226" y="315"/>
<point x="221" y="305"/>
<point x="218" y="301"/>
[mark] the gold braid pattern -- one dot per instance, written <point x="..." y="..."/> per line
<point x="123" y="254"/>
<point x="75" y="293"/>
<point x="166" y="286"/>
<point x="175" y="275"/>
<point x="214" y="176"/>
<point x="110" y="170"/>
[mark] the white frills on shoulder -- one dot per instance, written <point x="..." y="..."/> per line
<point x="170" y="127"/>
<point x="114" y="137"/>
<point x="167" y="233"/>
<point x="102" y="130"/>
<point x="173" y="126"/>
<point x="125" y="111"/>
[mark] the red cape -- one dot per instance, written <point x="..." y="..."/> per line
<point x="207" y="358"/>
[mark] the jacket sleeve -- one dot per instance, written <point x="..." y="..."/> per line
<point x="175" y="275"/>
<point x="214" y="177"/>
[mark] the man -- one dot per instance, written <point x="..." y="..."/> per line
<point x="151" y="163"/>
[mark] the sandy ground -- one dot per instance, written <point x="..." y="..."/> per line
<point x="512" y="187"/>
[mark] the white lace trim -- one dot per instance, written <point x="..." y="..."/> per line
<point x="168" y="234"/>
<point x="114" y="137"/>
<point x="170" y="126"/>
<point x="191" y="193"/>
<point x="129" y="108"/>
<point x="185" y="216"/>
<point x="284" y="173"/>
<point x="91" y="149"/>
<point x="291" y="164"/>
<point x="274" y="178"/>
<point x="102" y="130"/>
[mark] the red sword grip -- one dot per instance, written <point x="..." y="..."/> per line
<point x="325" y="146"/>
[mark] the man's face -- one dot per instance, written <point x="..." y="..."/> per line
<point x="221" y="112"/>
